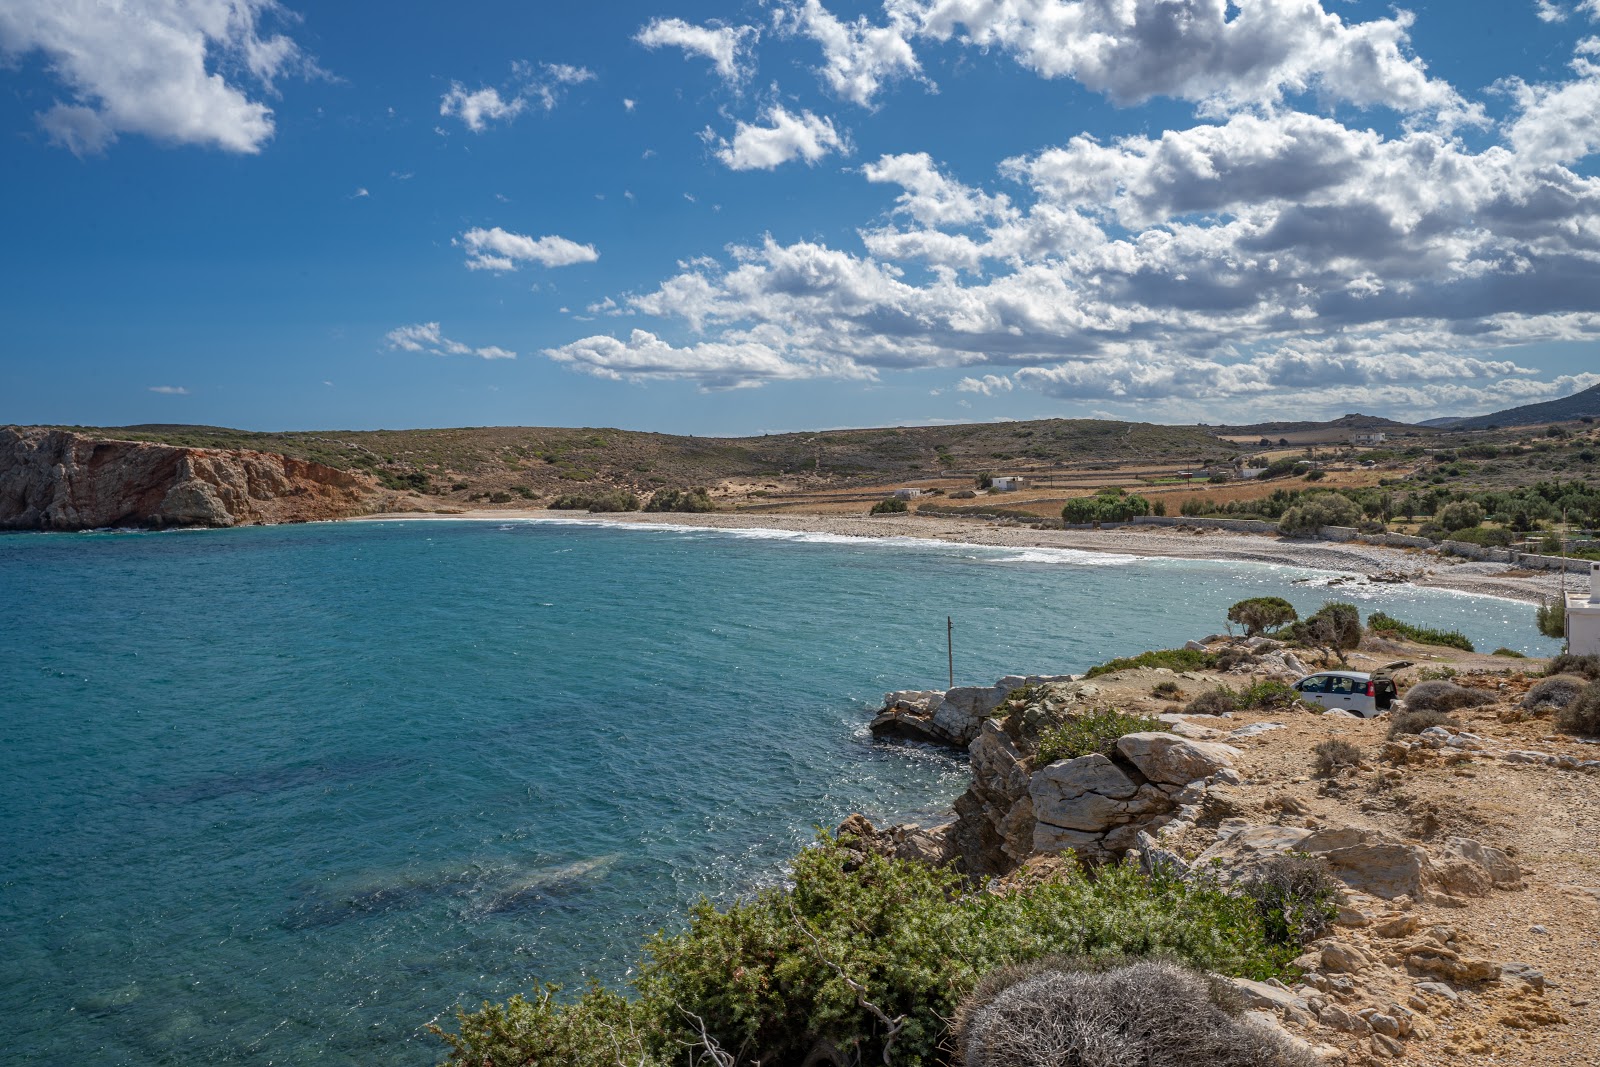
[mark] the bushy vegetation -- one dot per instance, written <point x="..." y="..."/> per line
<point x="1108" y="505"/>
<point x="1460" y="515"/>
<point x="1176" y="659"/>
<point x="598" y="500"/>
<point x="697" y="499"/>
<point x="1332" y="755"/>
<point x="1551" y="619"/>
<point x="1583" y="666"/>
<point x="1110" y="1013"/>
<point x="1168" y="690"/>
<point x="1328" y="509"/>
<point x="1262" y="613"/>
<point x="1268" y="694"/>
<point x="1582" y="716"/>
<point x="1218" y="701"/>
<point x="1441" y="695"/>
<point x="1295" y="895"/>
<point x="1414" y="721"/>
<point x="1555" y="692"/>
<point x="1090" y="733"/>
<point x="1334" y="628"/>
<point x="1422" y="635"/>
<point x="889" y="505"/>
<point x="864" y="954"/>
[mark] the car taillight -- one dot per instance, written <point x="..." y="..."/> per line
<point x="1372" y="688"/>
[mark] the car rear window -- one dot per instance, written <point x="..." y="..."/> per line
<point x="1341" y="685"/>
<point x="1319" y="684"/>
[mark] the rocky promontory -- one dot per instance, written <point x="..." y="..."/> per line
<point x="60" y="480"/>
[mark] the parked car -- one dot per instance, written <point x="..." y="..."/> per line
<point x="1359" y="692"/>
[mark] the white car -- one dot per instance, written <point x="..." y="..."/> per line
<point x="1357" y="692"/>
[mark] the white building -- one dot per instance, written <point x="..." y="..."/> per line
<point x="1583" y="617"/>
<point x="1368" y="439"/>
<point x="907" y="494"/>
<point x="1008" y="483"/>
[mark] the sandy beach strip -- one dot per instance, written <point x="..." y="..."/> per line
<point x="1416" y="567"/>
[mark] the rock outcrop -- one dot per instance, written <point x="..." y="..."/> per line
<point x="59" y="480"/>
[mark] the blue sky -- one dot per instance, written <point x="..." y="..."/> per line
<point x="740" y="218"/>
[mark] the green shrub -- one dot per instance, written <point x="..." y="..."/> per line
<point x="1460" y="515"/>
<point x="1331" y="755"/>
<point x="501" y="498"/>
<point x="1167" y="690"/>
<point x="600" y="1029"/>
<point x="889" y="506"/>
<point x="1313" y="513"/>
<point x="1268" y="695"/>
<point x="1551" y="619"/>
<point x="1484" y="536"/>
<point x="1295" y="895"/>
<point x="1509" y="653"/>
<point x="1335" y="628"/>
<point x="1105" y="506"/>
<point x="1090" y="733"/>
<point x="697" y="499"/>
<point x="1262" y="613"/>
<point x="775" y="974"/>
<point x="1176" y="659"/>
<point x="1420" y="634"/>
<point x="1582" y="716"/>
<point x="1218" y="701"/>
<point x="1583" y="666"/>
<point x="603" y="500"/>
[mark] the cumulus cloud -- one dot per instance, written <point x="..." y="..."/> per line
<point x="427" y="337"/>
<point x="741" y="363"/>
<point x="785" y="136"/>
<point x="156" y="68"/>
<point x="988" y="385"/>
<point x="478" y="108"/>
<point x="1560" y="123"/>
<point x="1209" y="51"/>
<point x="728" y="47"/>
<point x="169" y="390"/>
<point x="858" y="58"/>
<point x="501" y="250"/>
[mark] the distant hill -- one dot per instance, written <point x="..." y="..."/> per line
<point x="552" y="460"/>
<point x="1351" y="423"/>
<point x="1568" y="407"/>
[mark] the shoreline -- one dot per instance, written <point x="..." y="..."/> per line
<point x="1419" y="568"/>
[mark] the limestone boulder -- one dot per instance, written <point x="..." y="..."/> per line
<point x="1164" y="757"/>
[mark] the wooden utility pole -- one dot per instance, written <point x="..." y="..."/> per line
<point x="950" y="647"/>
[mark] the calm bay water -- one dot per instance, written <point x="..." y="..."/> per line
<point x="283" y="795"/>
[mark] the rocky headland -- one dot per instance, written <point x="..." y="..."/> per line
<point x="59" y="480"/>
<point x="1466" y="855"/>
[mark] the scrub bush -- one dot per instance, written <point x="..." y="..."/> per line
<point x="1090" y="733"/>
<point x="853" y="942"/>
<point x="1296" y="896"/>
<point x="1554" y="693"/>
<point x="697" y="499"/>
<point x="1175" y="659"/>
<point x="1445" y="696"/>
<point x="1089" y="1014"/>
<point x="889" y="506"/>
<point x="1582" y="716"/>
<point x="1262" y="613"/>
<point x="1583" y="666"/>
<point x="1218" y="701"/>
<point x="1332" y="755"/>
<point x="1414" y="722"/>
<point x="1422" y="635"/>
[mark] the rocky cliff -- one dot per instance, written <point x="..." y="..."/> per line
<point x="58" y="480"/>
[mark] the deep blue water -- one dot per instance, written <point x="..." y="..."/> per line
<point x="284" y="795"/>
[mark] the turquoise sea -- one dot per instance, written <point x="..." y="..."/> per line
<point x="284" y="795"/>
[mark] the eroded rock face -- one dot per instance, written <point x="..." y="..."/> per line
<point x="58" y="480"/>
<point x="1173" y="760"/>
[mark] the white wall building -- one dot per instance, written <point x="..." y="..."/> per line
<point x="1368" y="439"/>
<point x="1583" y="617"/>
<point x="1007" y="483"/>
<point x="907" y="494"/>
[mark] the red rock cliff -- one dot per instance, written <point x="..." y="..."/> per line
<point x="58" y="480"/>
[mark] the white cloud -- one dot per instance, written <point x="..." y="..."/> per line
<point x="858" y="57"/>
<point x="480" y="107"/>
<point x="169" y="390"/>
<point x="628" y="105"/>
<point x="1209" y="51"/>
<point x="497" y="249"/>
<point x="988" y="385"/>
<point x="1548" y="11"/>
<point x="931" y="198"/>
<point x="728" y="47"/>
<point x="1560" y="123"/>
<point x="154" y="67"/>
<point x="785" y="137"/>
<point x="716" y="365"/>
<point x="427" y="337"/>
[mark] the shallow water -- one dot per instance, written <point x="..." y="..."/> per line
<point x="284" y="795"/>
